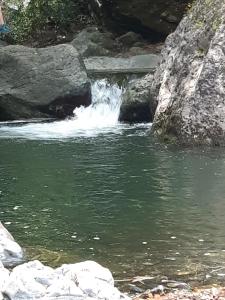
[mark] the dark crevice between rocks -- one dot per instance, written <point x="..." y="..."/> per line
<point x="132" y="24"/>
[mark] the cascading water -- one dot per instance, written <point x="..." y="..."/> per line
<point x="101" y="116"/>
<point x="104" y="110"/>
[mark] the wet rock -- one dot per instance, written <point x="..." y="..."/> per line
<point x="10" y="252"/>
<point x="135" y="289"/>
<point x="189" y="85"/>
<point x="87" y="280"/>
<point x="92" y="42"/>
<point x="137" y="104"/>
<point x="48" y="82"/>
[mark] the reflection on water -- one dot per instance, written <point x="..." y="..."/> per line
<point x="137" y="207"/>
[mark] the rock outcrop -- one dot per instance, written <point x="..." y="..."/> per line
<point x="84" y="281"/>
<point x="189" y="85"/>
<point x="10" y="252"/>
<point x="48" y="82"/>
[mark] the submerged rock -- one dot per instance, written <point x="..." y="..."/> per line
<point x="48" y="82"/>
<point x="83" y="281"/>
<point x="10" y="252"/>
<point x="189" y="85"/>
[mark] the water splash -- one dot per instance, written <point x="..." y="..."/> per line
<point x="100" y="117"/>
<point x="104" y="110"/>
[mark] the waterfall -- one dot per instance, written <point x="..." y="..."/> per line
<point x="101" y="116"/>
<point x="104" y="110"/>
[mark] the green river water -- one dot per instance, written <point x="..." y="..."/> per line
<point x="119" y="198"/>
<point x="91" y="188"/>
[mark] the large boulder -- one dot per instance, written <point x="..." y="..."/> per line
<point x="156" y="18"/>
<point x="82" y="281"/>
<point x="189" y="85"/>
<point x="48" y="82"/>
<point x="10" y="252"/>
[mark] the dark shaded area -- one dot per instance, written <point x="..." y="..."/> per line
<point x="135" y="113"/>
<point x="154" y="19"/>
<point x="63" y="107"/>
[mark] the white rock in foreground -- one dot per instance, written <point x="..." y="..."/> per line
<point x="84" y="281"/>
<point x="10" y="252"/>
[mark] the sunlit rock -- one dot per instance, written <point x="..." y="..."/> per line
<point x="10" y="252"/>
<point x="86" y="280"/>
<point x="189" y="85"/>
<point x="42" y="82"/>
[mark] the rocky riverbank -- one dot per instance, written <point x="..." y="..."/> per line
<point x="197" y="294"/>
<point x="32" y="280"/>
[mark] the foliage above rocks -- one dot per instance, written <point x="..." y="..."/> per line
<point x="45" y="19"/>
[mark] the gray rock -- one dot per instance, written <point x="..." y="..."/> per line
<point x="81" y="281"/>
<point x="92" y="42"/>
<point x="189" y="85"/>
<point x="3" y="43"/>
<point x="134" y="64"/>
<point x="10" y="252"/>
<point x="48" y="82"/>
<point x="136" y="102"/>
<point x="129" y="39"/>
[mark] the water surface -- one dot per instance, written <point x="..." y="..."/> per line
<point x="91" y="188"/>
<point x="135" y="206"/>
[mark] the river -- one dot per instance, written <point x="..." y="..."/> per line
<point x="76" y="190"/>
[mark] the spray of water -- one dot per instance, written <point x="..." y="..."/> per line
<point x="101" y="116"/>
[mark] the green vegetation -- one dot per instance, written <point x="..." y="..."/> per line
<point x="42" y="15"/>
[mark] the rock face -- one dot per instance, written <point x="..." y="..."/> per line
<point x="157" y="18"/>
<point x="190" y="82"/>
<point x="48" y="82"/>
<point x="84" y="281"/>
<point x="10" y="252"/>
<point x="136" y="102"/>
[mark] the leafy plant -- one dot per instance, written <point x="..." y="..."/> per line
<point x="40" y="15"/>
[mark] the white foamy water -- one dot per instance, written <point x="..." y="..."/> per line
<point x="100" y="117"/>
